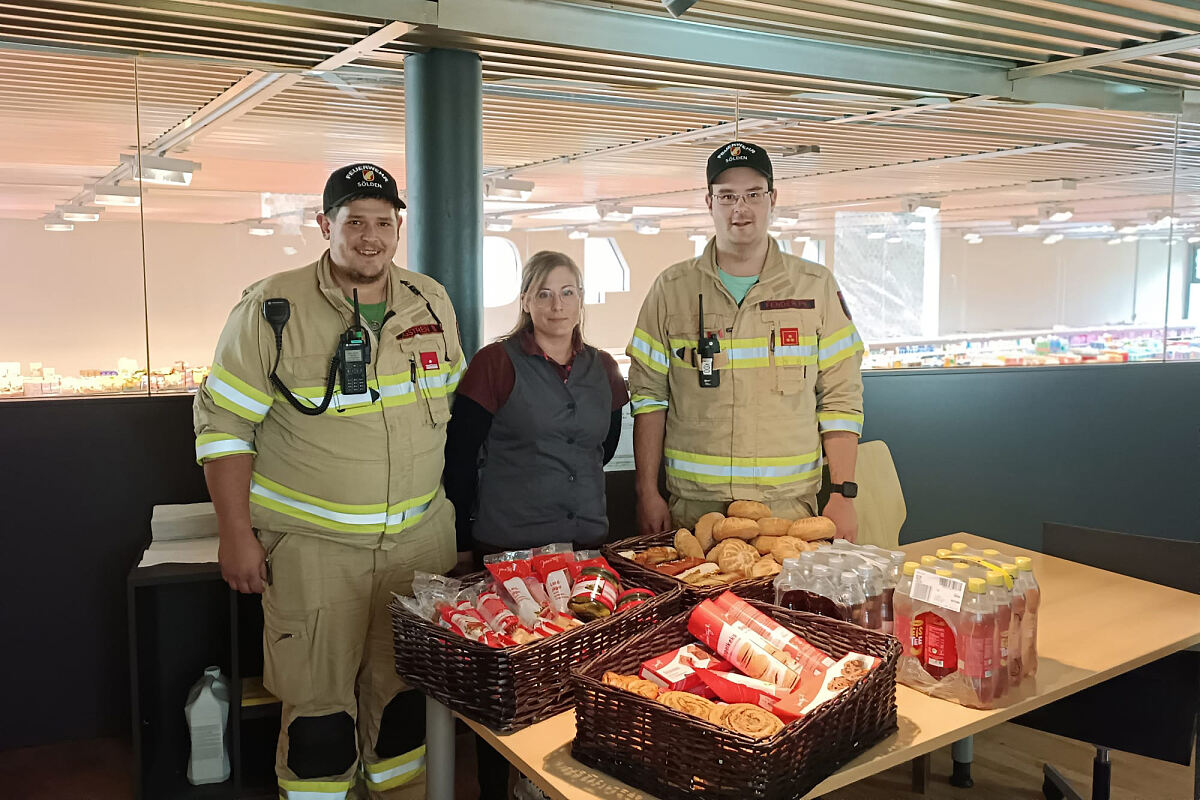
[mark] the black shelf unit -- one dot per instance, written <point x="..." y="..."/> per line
<point x="182" y="618"/>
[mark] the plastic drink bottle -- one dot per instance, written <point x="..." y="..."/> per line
<point x="872" y="584"/>
<point x="1001" y="598"/>
<point x="1029" y="624"/>
<point x="939" y="637"/>
<point x="1016" y="646"/>
<point x="902" y="609"/>
<point x="977" y="635"/>
<point x="852" y="597"/>
<point x="789" y="586"/>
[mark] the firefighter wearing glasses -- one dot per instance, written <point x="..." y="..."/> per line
<point x="746" y="402"/>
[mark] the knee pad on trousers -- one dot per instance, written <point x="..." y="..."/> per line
<point x="402" y="725"/>
<point x="320" y="747"/>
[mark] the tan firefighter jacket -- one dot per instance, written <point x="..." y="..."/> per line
<point x="789" y="371"/>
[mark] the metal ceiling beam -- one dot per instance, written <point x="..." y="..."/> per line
<point x="646" y="36"/>
<point x="644" y="144"/>
<point x="1165" y="47"/>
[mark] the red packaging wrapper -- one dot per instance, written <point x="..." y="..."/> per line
<point x="552" y="565"/>
<point x="496" y="612"/>
<point x="510" y="571"/>
<point x="813" y="691"/>
<point x="631" y="598"/>
<point x="464" y="620"/>
<point x="588" y="558"/>
<point x="678" y="669"/>
<point x="733" y="687"/>
<point x="739" y="645"/>
<point x="793" y="650"/>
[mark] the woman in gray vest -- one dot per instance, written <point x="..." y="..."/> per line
<point x="535" y="419"/>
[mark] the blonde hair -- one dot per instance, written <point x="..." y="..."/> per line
<point x="533" y="275"/>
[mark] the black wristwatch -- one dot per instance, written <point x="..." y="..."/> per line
<point x="849" y="489"/>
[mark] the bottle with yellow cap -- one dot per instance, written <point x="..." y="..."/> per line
<point x="976" y="644"/>
<point x="1016" y="662"/>
<point x="1029" y="622"/>
<point x="1001" y="598"/>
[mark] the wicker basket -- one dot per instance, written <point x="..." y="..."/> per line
<point x="749" y="589"/>
<point x="510" y="688"/>
<point x="673" y="755"/>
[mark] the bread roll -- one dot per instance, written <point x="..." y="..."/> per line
<point x="764" y="544"/>
<point x="813" y="528"/>
<point x="764" y="567"/>
<point x="735" y="528"/>
<point x="687" y="545"/>
<point x="748" y="509"/>
<point x="738" y="560"/>
<point x="787" y="547"/>
<point x="774" y="526"/>
<point x="704" y="529"/>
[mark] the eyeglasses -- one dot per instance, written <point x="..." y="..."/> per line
<point x="730" y="199"/>
<point x="569" y="296"/>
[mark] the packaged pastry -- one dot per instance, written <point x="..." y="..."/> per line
<point x="552" y="565"/>
<point x="677" y="670"/>
<point x="733" y="687"/>
<point x="814" y="691"/>
<point x="739" y="645"/>
<point x="511" y="570"/>
<point x="678" y="566"/>
<point x="460" y="617"/>
<point x="796" y="651"/>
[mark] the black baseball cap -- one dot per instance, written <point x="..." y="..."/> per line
<point x="740" y="154"/>
<point x="360" y="180"/>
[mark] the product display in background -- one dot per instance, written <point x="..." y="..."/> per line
<point x="724" y="550"/>
<point x="967" y="620"/>
<point x="846" y="581"/>
<point x="761" y="677"/>
<point x="516" y="607"/>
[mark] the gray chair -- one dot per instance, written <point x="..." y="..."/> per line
<point x="1153" y="710"/>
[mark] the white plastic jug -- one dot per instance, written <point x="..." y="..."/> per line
<point x="207" y="713"/>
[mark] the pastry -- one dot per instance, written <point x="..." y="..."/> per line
<point x="735" y="528"/>
<point x="704" y="529"/>
<point x="678" y="566"/>
<point x="813" y="528"/>
<point x="746" y="719"/>
<point x="774" y="526"/>
<point x="643" y="687"/>
<point x="748" y="509"/>
<point x="765" y="567"/>
<point x="738" y="560"/>
<point x="764" y="544"/>
<point x="618" y="680"/>
<point x="688" y="703"/>
<point x="719" y="548"/>
<point x="787" y="547"/>
<point x="728" y="577"/>
<point x="687" y="544"/>
<point x="697" y="572"/>
<point x="656" y="555"/>
<point x="709" y="581"/>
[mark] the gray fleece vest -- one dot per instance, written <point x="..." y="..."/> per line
<point x="542" y="476"/>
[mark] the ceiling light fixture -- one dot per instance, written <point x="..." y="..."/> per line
<point x="58" y="227"/>
<point x="1053" y="238"/>
<point x="161" y="171"/>
<point x="1114" y="240"/>
<point x="507" y="189"/>
<point x="786" y="221"/>
<point x="79" y="213"/>
<point x="1132" y="237"/>
<point x="117" y="195"/>
<point x="876" y="235"/>
<point x="895" y="238"/>
<point x="800" y="150"/>
<point x="1055" y="213"/>
<point x="577" y="233"/>
<point x="647" y="227"/>
<point x="1193" y="239"/>
<point x="499" y="224"/>
<point x="1025" y="225"/>
<point x="697" y="236"/>
<point x="921" y="206"/>
<point x="261" y="230"/>
<point x="613" y="213"/>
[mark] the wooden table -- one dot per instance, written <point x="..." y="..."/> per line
<point x="1092" y="625"/>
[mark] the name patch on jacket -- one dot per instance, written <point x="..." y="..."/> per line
<point x="419" y="330"/>
<point x="776" y="305"/>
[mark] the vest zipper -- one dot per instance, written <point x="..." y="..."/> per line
<point x="771" y="359"/>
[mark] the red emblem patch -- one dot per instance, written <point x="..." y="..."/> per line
<point x="789" y="336"/>
<point x="429" y="361"/>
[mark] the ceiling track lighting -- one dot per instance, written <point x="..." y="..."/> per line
<point x="113" y="195"/>
<point x="160" y="170"/>
<point x="507" y="189"/>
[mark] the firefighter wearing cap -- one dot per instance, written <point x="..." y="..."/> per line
<point x="326" y="515"/>
<point x="787" y="384"/>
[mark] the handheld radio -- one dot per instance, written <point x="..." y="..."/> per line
<point x="707" y="347"/>
<point x="354" y="353"/>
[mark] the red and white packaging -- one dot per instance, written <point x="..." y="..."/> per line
<point x="679" y="669"/>
<point x="511" y="570"/>
<point x="739" y="645"/>
<point x="793" y="650"/>
<point x="588" y="558"/>
<point x="733" y="687"/>
<point x="552" y="565"/>
<point x="813" y="691"/>
<point x="496" y="613"/>
<point x="464" y="620"/>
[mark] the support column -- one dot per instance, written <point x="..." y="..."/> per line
<point x="443" y="161"/>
